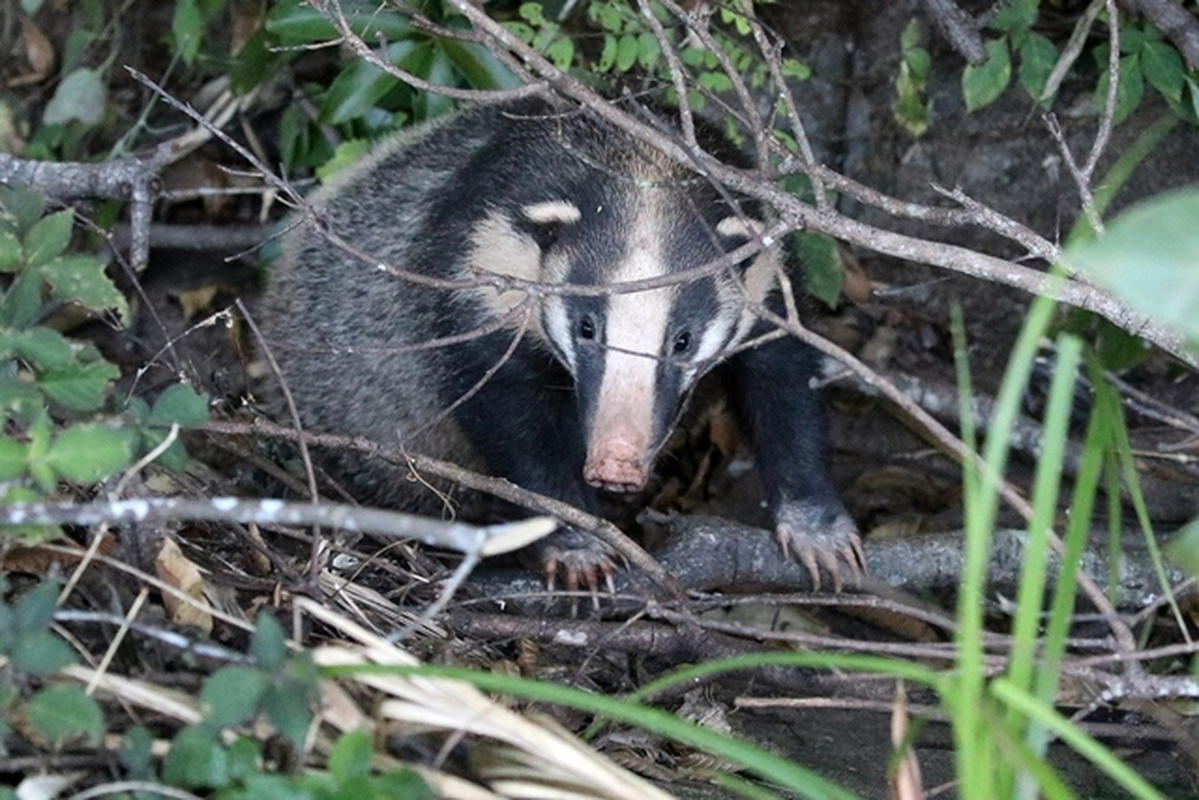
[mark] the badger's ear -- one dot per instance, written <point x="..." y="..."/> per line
<point x="740" y="228"/>
<point x="544" y="221"/>
<point x="737" y="231"/>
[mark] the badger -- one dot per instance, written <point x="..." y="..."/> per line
<point x="501" y="296"/>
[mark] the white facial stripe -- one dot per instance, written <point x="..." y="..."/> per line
<point x="739" y="226"/>
<point x="715" y="335"/>
<point x="552" y="211"/>
<point x="558" y="329"/>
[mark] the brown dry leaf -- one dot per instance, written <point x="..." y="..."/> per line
<point x="38" y="560"/>
<point x="39" y="52"/>
<point x="174" y="569"/>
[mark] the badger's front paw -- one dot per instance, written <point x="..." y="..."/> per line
<point x="577" y="559"/>
<point x="820" y="536"/>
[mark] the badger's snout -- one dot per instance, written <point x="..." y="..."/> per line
<point x="617" y="465"/>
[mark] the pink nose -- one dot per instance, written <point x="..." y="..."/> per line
<point x="615" y="465"/>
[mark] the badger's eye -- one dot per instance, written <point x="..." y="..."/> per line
<point x="682" y="342"/>
<point x="587" y="328"/>
<point x="545" y="234"/>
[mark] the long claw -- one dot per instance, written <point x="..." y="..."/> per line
<point x="821" y="537"/>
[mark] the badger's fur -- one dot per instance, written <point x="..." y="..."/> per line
<point x="563" y="392"/>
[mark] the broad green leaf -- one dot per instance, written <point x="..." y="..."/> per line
<point x="714" y="81"/>
<point x="232" y="695"/>
<point x="296" y="22"/>
<point x="63" y="712"/>
<point x="196" y="759"/>
<point x="35" y="610"/>
<point x="607" y="55"/>
<point x="22" y="302"/>
<point x="351" y="755"/>
<point x="179" y="405"/>
<point x="1183" y="549"/>
<point x="1037" y="59"/>
<point x="1149" y="258"/>
<point x="80" y="96"/>
<point x="1128" y="92"/>
<point x="87" y="453"/>
<point x="11" y="254"/>
<point x="20" y="209"/>
<point x="187" y="28"/>
<point x="78" y="387"/>
<point x="20" y="400"/>
<point x="48" y="238"/>
<point x="289" y="706"/>
<point x="14" y="458"/>
<point x="1162" y="66"/>
<point x="360" y="86"/>
<point x="81" y="279"/>
<point x="626" y="52"/>
<point x="822" y="268"/>
<point x="648" y="50"/>
<point x="561" y="53"/>
<point x="1016" y="16"/>
<point x="481" y="69"/>
<point x="136" y="753"/>
<point x="42" y="653"/>
<point x="41" y="348"/>
<point x="982" y="85"/>
<point x="268" y="645"/>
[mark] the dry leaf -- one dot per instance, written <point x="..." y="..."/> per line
<point x="39" y="52"/>
<point x="174" y="569"/>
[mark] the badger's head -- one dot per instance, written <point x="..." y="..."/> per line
<point x="634" y="354"/>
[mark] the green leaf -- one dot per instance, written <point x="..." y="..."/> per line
<point x="1147" y="258"/>
<point x="136" y="753"/>
<point x="626" y="52"/>
<point x="232" y="694"/>
<point x="88" y="453"/>
<point x="982" y="85"/>
<point x="11" y="253"/>
<point x="81" y="279"/>
<point x="35" y="610"/>
<point x="20" y="209"/>
<point x="41" y="348"/>
<point x="1163" y="69"/>
<point x="361" y="86"/>
<point x="714" y="81"/>
<point x="80" y="96"/>
<point x="42" y="653"/>
<point x="561" y="53"/>
<point x="48" y="238"/>
<point x="20" y="401"/>
<point x="910" y="36"/>
<point x="268" y="645"/>
<point x="65" y="712"/>
<point x="289" y="708"/>
<point x="1037" y="59"/>
<point x="196" y="759"/>
<point x="1129" y="91"/>
<point x="187" y="29"/>
<point x="1183" y="549"/>
<point x="78" y="387"/>
<point x="607" y="55"/>
<point x="14" y="458"/>
<point x="351" y="755"/>
<point x="822" y="268"/>
<point x="179" y="405"/>
<point x="481" y="69"/>
<point x="1017" y="16"/>
<point x="648" y="50"/>
<point x="23" y="302"/>
<point x="295" y="22"/>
